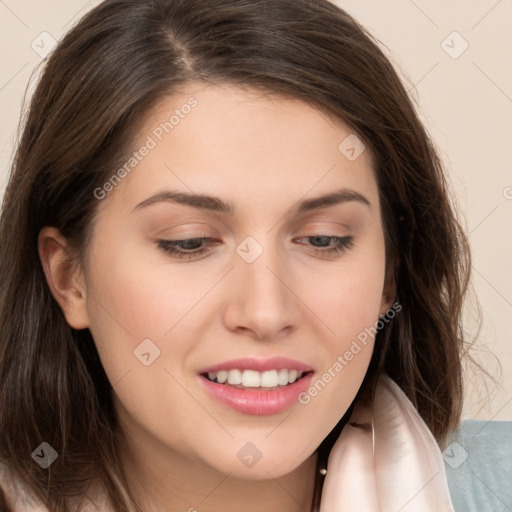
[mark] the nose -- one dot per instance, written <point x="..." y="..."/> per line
<point x="262" y="300"/>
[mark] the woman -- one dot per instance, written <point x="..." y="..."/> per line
<point x="230" y="268"/>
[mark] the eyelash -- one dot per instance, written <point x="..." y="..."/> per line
<point x="342" y="244"/>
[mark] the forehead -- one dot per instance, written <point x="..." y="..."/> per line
<point x="246" y="146"/>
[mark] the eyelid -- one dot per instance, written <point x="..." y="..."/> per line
<point x="324" y="227"/>
<point x="204" y="231"/>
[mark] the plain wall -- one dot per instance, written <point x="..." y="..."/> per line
<point x="463" y="97"/>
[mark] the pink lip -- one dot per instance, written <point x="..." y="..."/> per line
<point x="260" y="365"/>
<point x="255" y="401"/>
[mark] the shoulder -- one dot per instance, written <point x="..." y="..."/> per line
<point x="478" y="462"/>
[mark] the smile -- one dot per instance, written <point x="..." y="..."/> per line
<point x="257" y="387"/>
<point x="254" y="379"/>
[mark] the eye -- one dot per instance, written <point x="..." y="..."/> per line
<point x="339" y="244"/>
<point x="187" y="248"/>
<point x="195" y="247"/>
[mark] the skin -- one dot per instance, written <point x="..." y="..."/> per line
<point x="263" y="154"/>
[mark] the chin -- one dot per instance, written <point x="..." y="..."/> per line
<point x="248" y="464"/>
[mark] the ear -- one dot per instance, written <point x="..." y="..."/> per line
<point x="62" y="277"/>
<point x="389" y="288"/>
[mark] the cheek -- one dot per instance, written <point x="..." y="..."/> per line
<point x="350" y="309"/>
<point x="348" y="297"/>
<point x="138" y="297"/>
<point x="124" y="306"/>
<point x="134" y="301"/>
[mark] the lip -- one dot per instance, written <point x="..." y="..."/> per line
<point x="257" y="402"/>
<point x="260" y="365"/>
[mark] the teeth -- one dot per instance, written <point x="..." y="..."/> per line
<point x="282" y="377"/>
<point x="234" y="377"/>
<point x="255" y="379"/>
<point x="251" y="379"/>
<point x="221" y="376"/>
<point x="270" y="379"/>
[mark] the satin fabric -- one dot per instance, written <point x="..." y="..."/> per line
<point x="393" y="465"/>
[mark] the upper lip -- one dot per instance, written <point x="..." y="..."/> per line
<point x="260" y="365"/>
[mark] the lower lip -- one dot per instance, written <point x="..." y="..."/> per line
<point x="258" y="402"/>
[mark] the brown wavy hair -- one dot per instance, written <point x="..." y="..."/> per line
<point x="95" y="89"/>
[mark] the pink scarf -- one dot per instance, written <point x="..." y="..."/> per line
<point x="394" y="466"/>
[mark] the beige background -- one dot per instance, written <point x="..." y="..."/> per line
<point x="464" y="98"/>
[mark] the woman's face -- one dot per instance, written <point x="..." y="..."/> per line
<point x="247" y="173"/>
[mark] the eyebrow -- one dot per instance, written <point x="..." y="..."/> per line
<point x="215" y="204"/>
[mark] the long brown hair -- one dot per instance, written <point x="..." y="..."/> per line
<point x="96" y="87"/>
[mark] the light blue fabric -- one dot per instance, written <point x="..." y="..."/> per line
<point x="478" y="462"/>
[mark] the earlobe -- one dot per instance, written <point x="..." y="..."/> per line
<point x="62" y="278"/>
